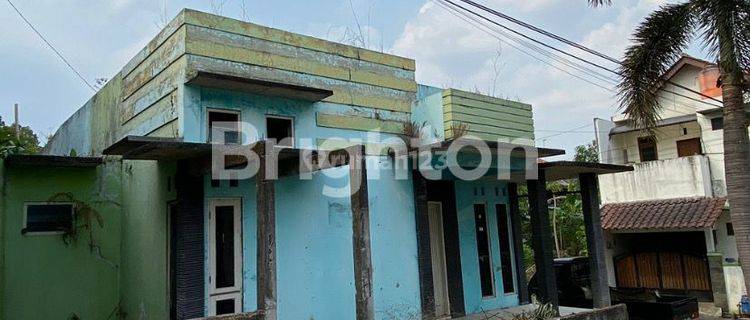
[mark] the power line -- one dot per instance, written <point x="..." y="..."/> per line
<point x="573" y="44"/>
<point x="480" y="24"/>
<point x="525" y="43"/>
<point x="541" y="31"/>
<point x="483" y="27"/>
<point x="529" y="38"/>
<point x="477" y="25"/>
<point x="578" y="58"/>
<point x="50" y="45"/>
<point x="566" y="131"/>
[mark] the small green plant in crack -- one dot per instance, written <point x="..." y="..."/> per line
<point x="543" y="312"/>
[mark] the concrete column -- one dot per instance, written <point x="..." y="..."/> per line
<point x="361" y="233"/>
<point x="718" y="284"/>
<point x="542" y="239"/>
<point x="515" y="220"/>
<point x="595" y="239"/>
<point x="424" y="259"/>
<point x="266" y="255"/>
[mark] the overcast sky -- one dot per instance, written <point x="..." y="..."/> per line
<point x="99" y="37"/>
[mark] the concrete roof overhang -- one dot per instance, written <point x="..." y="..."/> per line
<point x="38" y="160"/>
<point x="661" y="123"/>
<point x="288" y="160"/>
<point x="494" y="147"/>
<point x="564" y="170"/>
<point x="262" y="87"/>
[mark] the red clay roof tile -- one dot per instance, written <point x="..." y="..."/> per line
<point x="668" y="214"/>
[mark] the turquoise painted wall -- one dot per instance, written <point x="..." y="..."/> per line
<point x="314" y="246"/>
<point x="467" y="194"/>
<point x="428" y="110"/>
<point x="43" y="278"/>
<point x="254" y="109"/>
<point x="314" y="242"/>
<point x="394" y="243"/>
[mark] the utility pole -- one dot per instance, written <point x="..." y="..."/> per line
<point x="16" y="126"/>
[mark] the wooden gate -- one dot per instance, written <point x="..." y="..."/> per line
<point x="663" y="270"/>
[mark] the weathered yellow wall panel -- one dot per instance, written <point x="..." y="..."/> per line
<point x="157" y="115"/>
<point x="359" y="123"/>
<point x="169" y="130"/>
<point x="484" y="98"/>
<point x="160" y="86"/>
<point x="152" y="45"/>
<point x="172" y="49"/>
<point x="376" y="149"/>
<point x="256" y="31"/>
<point x="344" y="92"/>
<point x="486" y="117"/>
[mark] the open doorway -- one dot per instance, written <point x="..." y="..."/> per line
<point x="437" y="253"/>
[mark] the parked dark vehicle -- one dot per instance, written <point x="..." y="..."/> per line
<point x="574" y="290"/>
<point x="573" y="282"/>
<point x="647" y="305"/>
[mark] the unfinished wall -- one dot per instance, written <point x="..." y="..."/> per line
<point x="69" y="279"/>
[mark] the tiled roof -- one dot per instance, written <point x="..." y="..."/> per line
<point x="668" y="214"/>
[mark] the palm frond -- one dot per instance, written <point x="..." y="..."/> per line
<point x="658" y="43"/>
<point x="598" y="3"/>
<point x="724" y="25"/>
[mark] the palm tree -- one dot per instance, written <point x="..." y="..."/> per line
<point x="723" y="26"/>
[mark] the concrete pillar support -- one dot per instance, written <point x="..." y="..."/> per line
<point x="542" y="239"/>
<point x="515" y="220"/>
<point x="595" y="239"/>
<point x="361" y="233"/>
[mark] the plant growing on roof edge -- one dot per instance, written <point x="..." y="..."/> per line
<point x="459" y="130"/>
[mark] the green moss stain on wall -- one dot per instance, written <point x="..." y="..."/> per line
<point x="43" y="277"/>
<point x="145" y="225"/>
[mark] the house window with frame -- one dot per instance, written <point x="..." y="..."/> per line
<point x="689" y="147"/>
<point x="647" y="149"/>
<point x="281" y="129"/>
<point x="48" y="218"/>
<point x="730" y="229"/>
<point x="717" y="124"/>
<point x="224" y="121"/>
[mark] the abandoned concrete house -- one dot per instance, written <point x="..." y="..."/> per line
<point x="667" y="223"/>
<point x="121" y="217"/>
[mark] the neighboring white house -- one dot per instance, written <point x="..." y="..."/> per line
<point x="667" y="223"/>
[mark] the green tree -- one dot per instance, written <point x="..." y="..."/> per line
<point x="587" y="153"/>
<point x="723" y="29"/>
<point x="27" y="141"/>
<point x="566" y="213"/>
